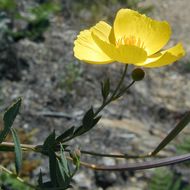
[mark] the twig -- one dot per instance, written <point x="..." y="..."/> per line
<point x="126" y="156"/>
<point x="140" y="166"/>
<point x="24" y="147"/>
<point x="137" y="166"/>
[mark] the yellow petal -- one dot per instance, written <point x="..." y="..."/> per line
<point x="112" y="37"/>
<point x="87" y="50"/>
<point x="123" y="53"/>
<point x="164" y="57"/>
<point x="102" y="30"/>
<point x="154" y="34"/>
<point x="130" y="54"/>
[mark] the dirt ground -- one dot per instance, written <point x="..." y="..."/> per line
<point x="135" y="123"/>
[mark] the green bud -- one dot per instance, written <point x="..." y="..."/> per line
<point x="138" y="74"/>
<point x="75" y="155"/>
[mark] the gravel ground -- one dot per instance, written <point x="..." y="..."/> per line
<point x="140" y="121"/>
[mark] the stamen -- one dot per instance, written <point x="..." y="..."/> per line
<point x="132" y="40"/>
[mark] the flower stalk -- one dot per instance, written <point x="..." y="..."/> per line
<point x="115" y="93"/>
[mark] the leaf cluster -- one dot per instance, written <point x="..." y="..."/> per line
<point x="60" y="172"/>
<point x="165" y="179"/>
<point x="88" y="122"/>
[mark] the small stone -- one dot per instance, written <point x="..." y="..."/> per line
<point x="82" y="180"/>
<point x="105" y="179"/>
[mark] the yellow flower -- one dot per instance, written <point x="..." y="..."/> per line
<point x="134" y="39"/>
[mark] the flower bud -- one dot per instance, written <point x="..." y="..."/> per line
<point x="138" y="74"/>
<point x="75" y="155"/>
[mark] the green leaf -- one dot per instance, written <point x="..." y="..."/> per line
<point x="87" y="122"/>
<point x="64" y="161"/>
<point x="96" y="120"/>
<point x="88" y="117"/>
<point x="63" y="174"/>
<point x="9" y="117"/>
<point x="84" y="128"/>
<point x="105" y="89"/>
<point x="53" y="168"/>
<point x="18" y="151"/>
<point x="66" y="134"/>
<point x="179" y="127"/>
<point x="49" y="144"/>
<point x="48" y="149"/>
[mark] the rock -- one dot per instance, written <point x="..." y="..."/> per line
<point x="105" y="179"/>
<point x="83" y="181"/>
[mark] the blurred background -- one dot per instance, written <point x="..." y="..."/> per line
<point x="37" y="63"/>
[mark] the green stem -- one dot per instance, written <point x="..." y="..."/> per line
<point x="109" y="100"/>
<point x="37" y="148"/>
<point x="112" y="97"/>
<point x="120" y="82"/>
<point x="124" y="90"/>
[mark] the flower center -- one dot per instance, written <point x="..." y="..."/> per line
<point x="131" y="40"/>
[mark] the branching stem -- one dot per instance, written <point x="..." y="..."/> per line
<point x="112" y="97"/>
<point x="140" y="166"/>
